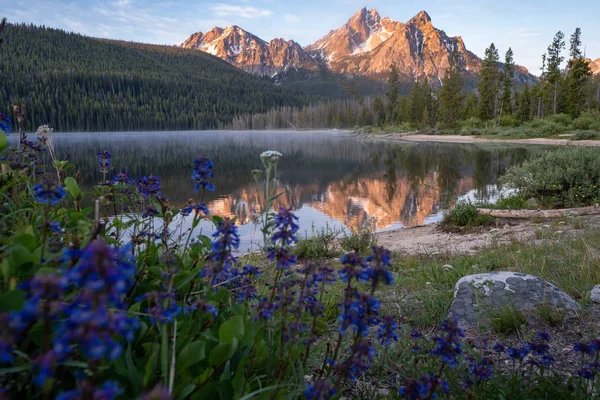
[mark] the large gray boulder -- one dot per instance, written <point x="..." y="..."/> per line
<point x="476" y="295"/>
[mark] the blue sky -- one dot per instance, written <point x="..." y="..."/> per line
<point x="526" y="25"/>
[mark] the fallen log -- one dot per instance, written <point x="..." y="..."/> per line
<point x="525" y="214"/>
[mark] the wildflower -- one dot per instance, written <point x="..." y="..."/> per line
<point x="320" y="390"/>
<point x="104" y="160"/>
<point x="251" y="270"/>
<point x="200" y="304"/>
<point x="150" y="211"/>
<point x="44" y="132"/>
<point x="583" y="348"/>
<point x="49" y="192"/>
<point x="353" y="266"/>
<point x="163" y="306"/>
<point x="4" y="122"/>
<point x="270" y="158"/>
<point x="28" y="144"/>
<point x="108" y="390"/>
<point x="264" y="309"/>
<point x="359" y="313"/>
<point x="481" y="370"/>
<point x="44" y="365"/>
<point x="121" y="179"/>
<point x="361" y="359"/>
<point x="587" y="373"/>
<point x="284" y="259"/>
<point x="379" y="262"/>
<point x="517" y="353"/>
<point x="544" y="335"/>
<point x="449" y="346"/>
<point x="286" y="226"/>
<point x="203" y="171"/>
<point x="247" y="291"/>
<point x="256" y="174"/>
<point x="226" y="240"/>
<point x="196" y="208"/>
<point x="387" y="330"/>
<point x="148" y="186"/>
<point x="426" y="387"/>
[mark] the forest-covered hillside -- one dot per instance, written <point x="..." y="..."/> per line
<point x="78" y="83"/>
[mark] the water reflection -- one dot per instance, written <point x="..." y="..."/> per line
<point x="329" y="177"/>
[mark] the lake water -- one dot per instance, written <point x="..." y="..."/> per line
<point x="330" y="178"/>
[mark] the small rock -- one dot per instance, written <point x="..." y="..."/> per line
<point x="494" y="230"/>
<point x="595" y="294"/>
<point x="562" y="223"/>
<point x="448" y="267"/>
<point x="476" y="295"/>
<point x="559" y="232"/>
<point x="533" y="204"/>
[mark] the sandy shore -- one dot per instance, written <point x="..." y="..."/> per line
<point x="402" y="137"/>
<point x="430" y="239"/>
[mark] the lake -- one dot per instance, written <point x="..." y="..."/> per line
<point x="330" y="178"/>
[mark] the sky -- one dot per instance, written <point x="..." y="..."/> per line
<point x="527" y="26"/>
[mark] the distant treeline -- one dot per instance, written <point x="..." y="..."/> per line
<point x="77" y="83"/>
<point x="496" y="102"/>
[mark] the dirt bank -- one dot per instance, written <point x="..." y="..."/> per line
<point x="430" y="239"/>
<point x="402" y="137"/>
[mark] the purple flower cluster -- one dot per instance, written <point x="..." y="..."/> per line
<point x="379" y="262"/>
<point x="4" y="123"/>
<point x="109" y="390"/>
<point x="148" y="186"/>
<point x="203" y="171"/>
<point x="386" y="333"/>
<point x="320" y="390"/>
<point x="121" y="179"/>
<point x="358" y="313"/>
<point x="449" y="346"/>
<point x="49" y="192"/>
<point x="104" y="160"/>
<point x="285" y="234"/>
<point x="426" y="387"/>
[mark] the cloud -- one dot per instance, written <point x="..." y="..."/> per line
<point x="290" y="18"/>
<point x="226" y="10"/>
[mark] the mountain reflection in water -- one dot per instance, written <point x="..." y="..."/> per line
<point x="328" y="177"/>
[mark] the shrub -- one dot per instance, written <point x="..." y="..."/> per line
<point x="566" y="177"/>
<point x="464" y="215"/>
<point x="562" y="119"/>
<point x="587" y="120"/>
<point x="319" y="245"/>
<point x="586" y="135"/>
<point x="360" y="242"/>
<point x="508" y="121"/>
<point x="472" y="125"/>
<point x="514" y="201"/>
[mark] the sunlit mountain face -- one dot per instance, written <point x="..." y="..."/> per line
<point x="329" y="178"/>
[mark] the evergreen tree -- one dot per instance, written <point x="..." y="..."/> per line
<point x="451" y="96"/>
<point x="506" y="106"/>
<point x="538" y="90"/>
<point x="392" y="95"/>
<point x="378" y="112"/>
<point x="554" y="61"/>
<point x="578" y="76"/>
<point x="489" y="84"/>
<point x="470" y="110"/>
<point x="524" y="105"/>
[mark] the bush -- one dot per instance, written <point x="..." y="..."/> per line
<point x="508" y="121"/>
<point x="567" y="177"/>
<point x="472" y="125"/>
<point x="586" y="135"/>
<point x="561" y="119"/>
<point x="587" y="120"/>
<point x="464" y="215"/>
<point x="512" y="202"/>
<point x="360" y="242"/>
<point x="319" y="245"/>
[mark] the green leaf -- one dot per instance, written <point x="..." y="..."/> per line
<point x="72" y="187"/>
<point x="150" y="366"/>
<point x="3" y="141"/>
<point x="185" y="392"/>
<point x="26" y="240"/>
<point x="12" y="370"/>
<point x="222" y="352"/>
<point x="191" y="354"/>
<point x="12" y="300"/>
<point x="134" y="377"/>
<point x="231" y="329"/>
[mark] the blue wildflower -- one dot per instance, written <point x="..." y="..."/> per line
<point x="517" y="353"/>
<point x="251" y="270"/>
<point x="264" y="309"/>
<point x="386" y="333"/>
<point x="163" y="306"/>
<point x="544" y="335"/>
<point x="320" y="390"/>
<point x="449" y="347"/>
<point x="358" y="313"/>
<point x="196" y="208"/>
<point x="379" y="263"/>
<point x="49" y="192"/>
<point x="203" y="171"/>
<point x="104" y="160"/>
<point x="109" y="390"/>
<point x="353" y="267"/>
<point x="481" y="370"/>
<point x="426" y="387"/>
<point x="583" y="348"/>
<point x="4" y="122"/>
<point x="283" y="257"/>
<point x="44" y="365"/>
<point x="361" y="359"/>
<point x="499" y="348"/>
<point x="285" y="223"/>
<point x="121" y="179"/>
<point x="148" y="186"/>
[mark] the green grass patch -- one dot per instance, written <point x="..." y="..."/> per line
<point x="464" y="215"/>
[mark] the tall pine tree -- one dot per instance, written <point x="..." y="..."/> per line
<point x="392" y="95"/>
<point x="506" y="106"/>
<point x="554" y="61"/>
<point x="578" y="75"/>
<point x="451" y="96"/>
<point x="489" y="84"/>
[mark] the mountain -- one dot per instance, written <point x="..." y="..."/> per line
<point x="78" y="83"/>
<point x="366" y="46"/>
<point x="251" y="53"/>
<point x="595" y="66"/>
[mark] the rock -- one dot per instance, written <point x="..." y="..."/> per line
<point x="533" y="204"/>
<point x="448" y="267"/>
<point x="595" y="294"/>
<point x="475" y="295"/>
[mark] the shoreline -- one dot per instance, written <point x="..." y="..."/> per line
<point x="424" y="138"/>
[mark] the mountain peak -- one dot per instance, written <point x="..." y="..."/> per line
<point x="420" y="19"/>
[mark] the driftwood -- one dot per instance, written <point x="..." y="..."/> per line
<point x="525" y="214"/>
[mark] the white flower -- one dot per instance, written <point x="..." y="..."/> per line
<point x="270" y="157"/>
<point x="44" y="131"/>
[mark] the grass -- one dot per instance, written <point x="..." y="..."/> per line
<point x="550" y="315"/>
<point x="506" y="320"/>
<point x="360" y="242"/>
<point x="464" y="216"/>
<point x="319" y="245"/>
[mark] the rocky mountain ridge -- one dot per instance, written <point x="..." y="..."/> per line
<point x="366" y="45"/>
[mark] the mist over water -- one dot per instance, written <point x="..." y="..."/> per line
<point x="329" y="178"/>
